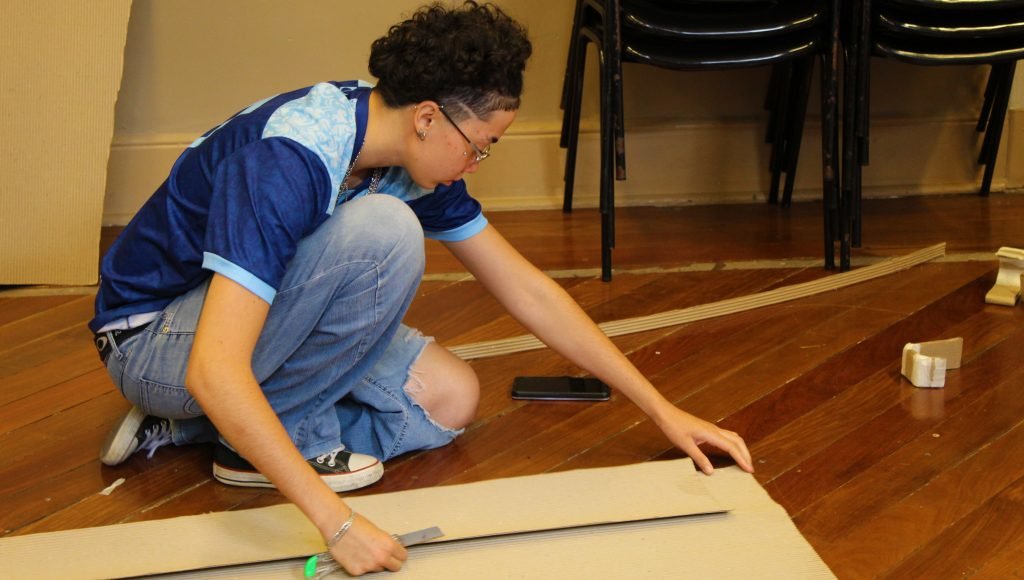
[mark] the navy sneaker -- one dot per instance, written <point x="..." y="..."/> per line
<point x="136" y="431"/>
<point x="341" y="470"/>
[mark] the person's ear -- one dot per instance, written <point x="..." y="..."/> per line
<point x="424" y="116"/>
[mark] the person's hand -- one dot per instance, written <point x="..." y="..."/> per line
<point x="689" y="433"/>
<point x="366" y="548"/>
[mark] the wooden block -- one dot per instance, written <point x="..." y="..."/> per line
<point x="951" y="349"/>
<point x="1006" y="290"/>
<point x="925" y="364"/>
<point x="923" y="371"/>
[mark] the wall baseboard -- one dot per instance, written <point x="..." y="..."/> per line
<point x="668" y="164"/>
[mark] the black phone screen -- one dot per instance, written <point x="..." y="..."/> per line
<point x="560" y="389"/>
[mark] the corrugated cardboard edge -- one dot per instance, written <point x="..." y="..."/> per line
<point x="490" y="508"/>
<point x="755" y="539"/>
<point x="60" y="69"/>
<point x="714" y="309"/>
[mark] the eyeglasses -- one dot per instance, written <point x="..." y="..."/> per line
<point x="480" y="154"/>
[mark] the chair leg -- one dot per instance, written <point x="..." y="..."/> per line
<point x="618" y="145"/>
<point x="986" y="105"/>
<point x="830" y="134"/>
<point x="995" y="85"/>
<point x="570" y="71"/>
<point x="778" y="140"/>
<point x="771" y="100"/>
<point x="572" y="114"/>
<point x="850" y="149"/>
<point x="607" y="193"/>
<point x="804" y="72"/>
<point x="996" y="123"/>
<point x="610" y="67"/>
<point x="860" y="75"/>
<point x="619" y="142"/>
<point x="863" y="99"/>
<point x="605" y="181"/>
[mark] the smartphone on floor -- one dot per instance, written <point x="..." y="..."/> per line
<point x="560" y="389"/>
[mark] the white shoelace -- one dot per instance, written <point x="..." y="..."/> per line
<point x="330" y="455"/>
<point x="156" y="436"/>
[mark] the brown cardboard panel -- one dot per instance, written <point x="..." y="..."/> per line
<point x="60" y="69"/>
<point x="756" y="539"/>
<point x="647" y="491"/>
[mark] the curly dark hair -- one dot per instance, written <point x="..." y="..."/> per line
<point x="469" y="58"/>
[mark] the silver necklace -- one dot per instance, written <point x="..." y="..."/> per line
<point x="374" y="178"/>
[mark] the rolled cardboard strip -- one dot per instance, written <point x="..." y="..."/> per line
<point x="714" y="309"/>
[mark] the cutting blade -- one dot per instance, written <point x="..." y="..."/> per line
<point x="420" y="536"/>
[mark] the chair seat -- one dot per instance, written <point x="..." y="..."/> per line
<point x="691" y="55"/>
<point x="721" y="21"/>
<point x="929" y="24"/>
<point x="949" y="52"/>
<point x="958" y="5"/>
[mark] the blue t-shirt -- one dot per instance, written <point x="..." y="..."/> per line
<point x="242" y="196"/>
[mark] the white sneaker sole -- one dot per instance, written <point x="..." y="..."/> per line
<point x="338" y="483"/>
<point x="120" y="442"/>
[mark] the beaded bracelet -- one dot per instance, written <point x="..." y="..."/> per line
<point x="342" y="530"/>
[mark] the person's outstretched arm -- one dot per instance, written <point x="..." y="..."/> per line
<point x="543" y="307"/>
<point x="220" y="377"/>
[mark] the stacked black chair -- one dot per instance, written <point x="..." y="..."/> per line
<point x="926" y="32"/>
<point x="706" y="35"/>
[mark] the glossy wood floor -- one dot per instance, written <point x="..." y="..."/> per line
<point x="883" y="479"/>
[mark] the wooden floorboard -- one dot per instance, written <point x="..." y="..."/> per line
<point x="966" y="546"/>
<point x="920" y="519"/>
<point x="882" y="478"/>
<point x="922" y="455"/>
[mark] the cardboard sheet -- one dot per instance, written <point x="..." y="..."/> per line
<point x="60" y="69"/>
<point x="756" y="539"/>
<point x="556" y="501"/>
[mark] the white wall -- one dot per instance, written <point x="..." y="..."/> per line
<point x="691" y="137"/>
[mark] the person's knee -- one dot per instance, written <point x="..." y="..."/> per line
<point x="387" y="216"/>
<point x="445" y="386"/>
<point x="463" y="390"/>
<point x="399" y="230"/>
<point x="381" y="230"/>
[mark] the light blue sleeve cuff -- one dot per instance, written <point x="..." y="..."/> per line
<point x="463" y="232"/>
<point x="235" y="273"/>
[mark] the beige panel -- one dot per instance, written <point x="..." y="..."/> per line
<point x="646" y="540"/>
<point x="754" y="540"/>
<point x="489" y="508"/>
<point x="60" y="68"/>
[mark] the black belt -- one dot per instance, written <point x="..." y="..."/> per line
<point x="105" y="341"/>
